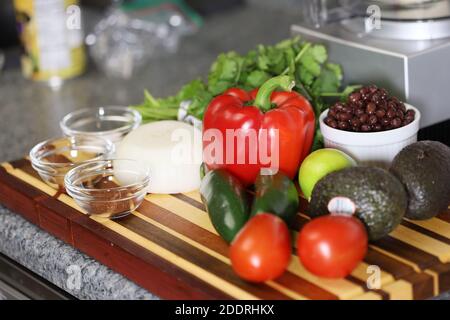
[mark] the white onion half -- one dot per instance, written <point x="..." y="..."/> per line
<point x="172" y="150"/>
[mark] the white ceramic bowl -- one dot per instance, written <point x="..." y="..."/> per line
<point x="374" y="148"/>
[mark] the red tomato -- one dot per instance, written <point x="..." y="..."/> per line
<point x="262" y="249"/>
<point x="332" y="246"/>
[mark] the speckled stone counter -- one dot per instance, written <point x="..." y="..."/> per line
<point x="30" y="112"/>
<point x="58" y="262"/>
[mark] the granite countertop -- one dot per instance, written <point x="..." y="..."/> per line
<point x="30" y="112"/>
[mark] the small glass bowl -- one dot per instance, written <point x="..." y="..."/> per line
<point x="53" y="158"/>
<point x="110" y="122"/>
<point x="108" y="188"/>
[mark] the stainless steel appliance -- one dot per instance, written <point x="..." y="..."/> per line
<point x="403" y="45"/>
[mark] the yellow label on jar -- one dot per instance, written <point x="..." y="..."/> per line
<point x="51" y="37"/>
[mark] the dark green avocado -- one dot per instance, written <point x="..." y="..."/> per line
<point x="380" y="198"/>
<point x="424" y="168"/>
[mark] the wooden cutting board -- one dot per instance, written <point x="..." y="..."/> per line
<point x="169" y="247"/>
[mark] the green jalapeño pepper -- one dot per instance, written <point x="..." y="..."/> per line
<point x="276" y="194"/>
<point x="226" y="202"/>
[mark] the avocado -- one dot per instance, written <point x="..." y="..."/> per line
<point x="380" y="198"/>
<point x="424" y="168"/>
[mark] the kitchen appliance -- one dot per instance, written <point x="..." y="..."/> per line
<point x="403" y="45"/>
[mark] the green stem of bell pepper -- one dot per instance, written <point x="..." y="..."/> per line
<point x="262" y="99"/>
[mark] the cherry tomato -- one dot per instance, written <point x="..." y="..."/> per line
<point x="332" y="246"/>
<point x="262" y="249"/>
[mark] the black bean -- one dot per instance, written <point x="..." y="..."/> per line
<point x="409" y="118"/>
<point x="333" y="123"/>
<point x="396" y="122"/>
<point x="343" y="116"/>
<point x="376" y="98"/>
<point x="354" y="106"/>
<point x="382" y="104"/>
<point x="391" y="104"/>
<point x="380" y="113"/>
<point x="373" y="119"/>
<point x="391" y="113"/>
<point x="343" y="125"/>
<point x="332" y="113"/>
<point x="373" y="88"/>
<point x="338" y="106"/>
<point x="410" y="112"/>
<point x="385" y="121"/>
<point x="359" y="111"/>
<point x="395" y="100"/>
<point x="354" y="97"/>
<point x="355" y="122"/>
<point x="364" y="118"/>
<point x="347" y="109"/>
<point x="377" y="127"/>
<point x="371" y="108"/>
<point x="400" y="114"/>
<point x="366" y="128"/>
<point x="364" y="90"/>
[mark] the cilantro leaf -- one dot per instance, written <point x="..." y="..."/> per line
<point x="327" y="81"/>
<point x="319" y="53"/>
<point x="190" y="90"/>
<point x="305" y="76"/>
<point x="310" y="64"/>
<point x="256" y="78"/>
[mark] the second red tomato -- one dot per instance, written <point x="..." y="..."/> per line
<point x="332" y="246"/>
<point x="261" y="251"/>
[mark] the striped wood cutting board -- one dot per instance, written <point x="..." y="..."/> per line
<point x="169" y="247"/>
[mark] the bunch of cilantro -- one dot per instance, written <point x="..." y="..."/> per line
<point x="307" y="63"/>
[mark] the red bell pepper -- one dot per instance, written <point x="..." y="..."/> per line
<point x="287" y="111"/>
